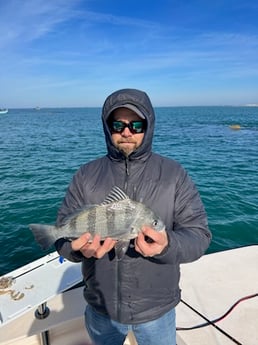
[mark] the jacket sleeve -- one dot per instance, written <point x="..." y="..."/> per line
<point x="189" y="236"/>
<point x="73" y="201"/>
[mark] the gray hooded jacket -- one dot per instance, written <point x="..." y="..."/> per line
<point x="138" y="289"/>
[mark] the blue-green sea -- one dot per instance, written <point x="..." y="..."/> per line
<point x="41" y="149"/>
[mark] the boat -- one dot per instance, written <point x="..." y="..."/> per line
<point x="41" y="302"/>
<point x="3" y="111"/>
<point x="252" y="105"/>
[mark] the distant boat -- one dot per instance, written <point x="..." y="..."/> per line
<point x="3" y="111"/>
<point x="252" y="105"/>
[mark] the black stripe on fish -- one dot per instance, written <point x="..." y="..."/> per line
<point x="111" y="221"/>
<point x="128" y="212"/>
<point x="92" y="216"/>
<point x="73" y="223"/>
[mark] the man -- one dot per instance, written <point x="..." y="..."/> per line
<point x="139" y="292"/>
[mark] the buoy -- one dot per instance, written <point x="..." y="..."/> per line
<point x="235" y="127"/>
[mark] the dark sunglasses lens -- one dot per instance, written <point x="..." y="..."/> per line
<point x="134" y="126"/>
<point x="118" y="126"/>
<point x="137" y="126"/>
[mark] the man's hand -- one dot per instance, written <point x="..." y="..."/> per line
<point x="157" y="243"/>
<point x="93" y="247"/>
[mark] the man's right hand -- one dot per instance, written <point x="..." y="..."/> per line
<point x="93" y="247"/>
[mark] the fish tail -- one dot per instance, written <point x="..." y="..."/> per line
<point x="44" y="234"/>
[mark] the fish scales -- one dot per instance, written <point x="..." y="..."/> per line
<point x="130" y="211"/>
<point x="91" y="220"/>
<point x="117" y="217"/>
<point x="101" y="222"/>
<point x="120" y="216"/>
<point x="80" y="222"/>
<point x="111" y="220"/>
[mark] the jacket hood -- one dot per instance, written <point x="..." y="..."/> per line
<point x="138" y="100"/>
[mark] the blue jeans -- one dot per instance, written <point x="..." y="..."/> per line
<point x="104" y="331"/>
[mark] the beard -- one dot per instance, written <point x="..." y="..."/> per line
<point x="127" y="146"/>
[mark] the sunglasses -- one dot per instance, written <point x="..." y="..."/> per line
<point x="135" y="127"/>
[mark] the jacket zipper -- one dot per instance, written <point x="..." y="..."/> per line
<point x="126" y="173"/>
<point x="118" y="262"/>
<point x="118" y="291"/>
<point x="126" y="166"/>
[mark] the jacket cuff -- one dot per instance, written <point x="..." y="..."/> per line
<point x="64" y="248"/>
<point x="165" y="256"/>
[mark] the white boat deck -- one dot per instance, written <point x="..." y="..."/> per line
<point x="210" y="286"/>
<point x="34" y="285"/>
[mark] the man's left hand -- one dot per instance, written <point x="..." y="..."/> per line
<point x="157" y="243"/>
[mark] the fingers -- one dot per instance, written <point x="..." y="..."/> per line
<point x="81" y="241"/>
<point x="148" y="243"/>
<point x="158" y="237"/>
<point x="139" y="244"/>
<point x="93" y="248"/>
<point x="89" y="249"/>
<point x="157" y="243"/>
<point x="104" y="248"/>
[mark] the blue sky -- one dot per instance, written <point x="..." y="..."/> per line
<point x="56" y="53"/>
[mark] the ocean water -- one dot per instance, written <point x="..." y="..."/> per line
<point x="41" y="149"/>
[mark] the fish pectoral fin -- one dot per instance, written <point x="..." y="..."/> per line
<point x="121" y="248"/>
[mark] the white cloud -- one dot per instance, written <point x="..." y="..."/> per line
<point x="27" y="20"/>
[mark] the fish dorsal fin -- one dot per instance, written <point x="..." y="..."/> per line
<point x="116" y="194"/>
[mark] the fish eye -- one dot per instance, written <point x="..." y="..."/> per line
<point x="133" y="230"/>
<point x="155" y="222"/>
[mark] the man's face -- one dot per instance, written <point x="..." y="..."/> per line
<point x="126" y="141"/>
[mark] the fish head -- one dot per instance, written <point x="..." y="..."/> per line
<point x="146" y="217"/>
